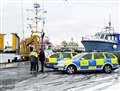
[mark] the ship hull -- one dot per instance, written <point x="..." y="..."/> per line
<point x="100" y="46"/>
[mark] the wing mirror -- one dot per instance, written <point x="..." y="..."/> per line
<point x="81" y="58"/>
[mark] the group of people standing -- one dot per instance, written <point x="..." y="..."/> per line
<point x="36" y="55"/>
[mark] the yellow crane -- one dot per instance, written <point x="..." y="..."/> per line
<point x="25" y="46"/>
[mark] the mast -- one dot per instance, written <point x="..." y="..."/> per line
<point x="36" y="6"/>
<point x="38" y="17"/>
<point x="109" y="20"/>
<point x="109" y="27"/>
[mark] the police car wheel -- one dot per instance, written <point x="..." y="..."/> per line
<point x="71" y="69"/>
<point x="107" y="69"/>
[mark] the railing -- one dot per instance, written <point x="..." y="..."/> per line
<point x="95" y="38"/>
<point x="88" y="37"/>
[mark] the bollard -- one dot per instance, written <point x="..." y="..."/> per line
<point x="8" y="60"/>
<point x="15" y="59"/>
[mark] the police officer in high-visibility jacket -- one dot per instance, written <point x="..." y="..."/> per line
<point x="34" y="61"/>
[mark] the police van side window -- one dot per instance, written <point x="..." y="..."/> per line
<point x="108" y="55"/>
<point x="98" y="56"/>
<point x="87" y="56"/>
<point x="74" y="54"/>
<point x="55" y="55"/>
<point x="66" y="55"/>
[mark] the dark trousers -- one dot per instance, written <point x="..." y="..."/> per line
<point x="37" y="66"/>
<point x="42" y="66"/>
<point x="34" y="66"/>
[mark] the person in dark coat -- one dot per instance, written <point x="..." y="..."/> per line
<point x="41" y="57"/>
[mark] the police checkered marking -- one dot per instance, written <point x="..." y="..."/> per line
<point x="92" y="62"/>
<point x="51" y="60"/>
<point x="97" y="64"/>
<point x="77" y="63"/>
<point x="114" y="61"/>
<point x="100" y="62"/>
<point x="84" y="63"/>
<point x="91" y="67"/>
<point x="108" y="61"/>
<point x="99" y="67"/>
<point x="68" y="62"/>
<point x="84" y="67"/>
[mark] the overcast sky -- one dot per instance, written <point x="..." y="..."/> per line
<point x="64" y="18"/>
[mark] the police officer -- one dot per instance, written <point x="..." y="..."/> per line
<point x="41" y="57"/>
<point x="34" y="61"/>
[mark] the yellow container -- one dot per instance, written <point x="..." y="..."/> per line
<point x="1" y="42"/>
<point x="14" y="41"/>
<point x="11" y="42"/>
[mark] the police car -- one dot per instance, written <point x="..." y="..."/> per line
<point x="90" y="61"/>
<point x="57" y="57"/>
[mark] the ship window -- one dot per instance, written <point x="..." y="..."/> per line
<point x="112" y="37"/>
<point x="97" y="35"/>
<point x="115" y="37"/>
<point x="102" y="36"/>
<point x="109" y="37"/>
<point x="106" y="37"/>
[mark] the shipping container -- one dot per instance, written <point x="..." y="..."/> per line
<point x="11" y="42"/>
<point x="1" y="42"/>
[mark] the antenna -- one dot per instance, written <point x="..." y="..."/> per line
<point x="43" y="22"/>
<point x="36" y="19"/>
<point x="109" y="20"/>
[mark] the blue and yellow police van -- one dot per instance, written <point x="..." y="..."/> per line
<point x="57" y="57"/>
<point x="90" y="61"/>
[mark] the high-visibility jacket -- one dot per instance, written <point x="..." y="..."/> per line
<point x="34" y="54"/>
<point x="33" y="57"/>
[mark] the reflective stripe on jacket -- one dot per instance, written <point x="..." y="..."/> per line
<point x="34" y="54"/>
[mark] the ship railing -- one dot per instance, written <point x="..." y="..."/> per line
<point x="88" y="37"/>
<point x="94" y="38"/>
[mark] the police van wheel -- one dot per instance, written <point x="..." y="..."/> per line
<point x="71" y="69"/>
<point x="107" y="69"/>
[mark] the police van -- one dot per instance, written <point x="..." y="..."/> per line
<point x="53" y="59"/>
<point x="90" y="61"/>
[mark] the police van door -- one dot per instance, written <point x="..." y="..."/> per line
<point x="84" y="62"/>
<point x="99" y="57"/>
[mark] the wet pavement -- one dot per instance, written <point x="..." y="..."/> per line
<point x="20" y="79"/>
<point x="10" y="76"/>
